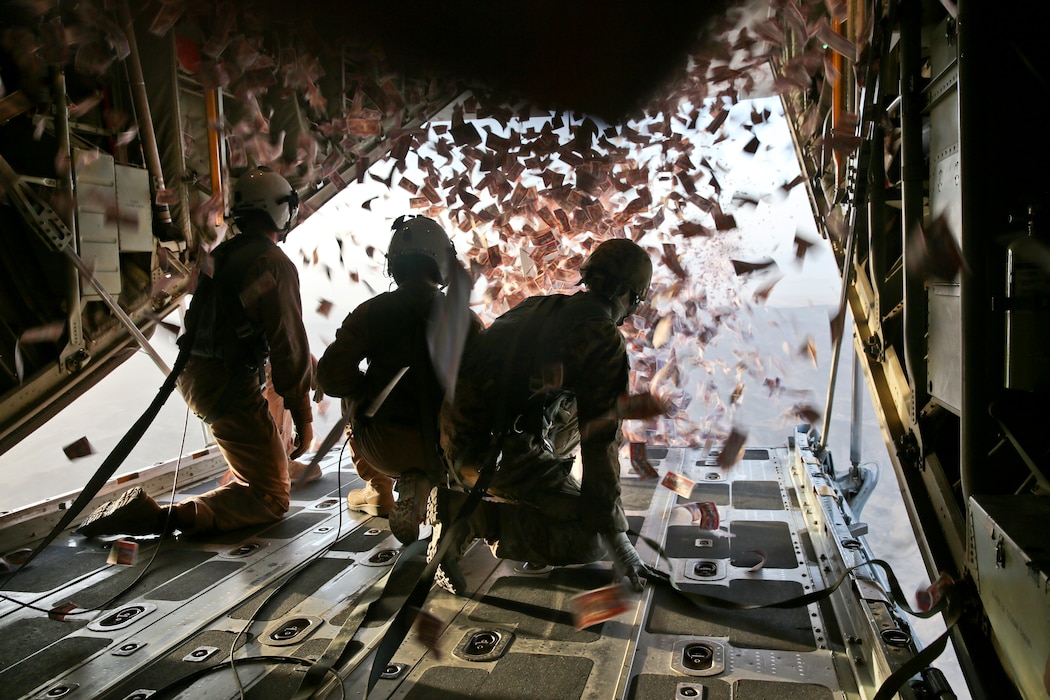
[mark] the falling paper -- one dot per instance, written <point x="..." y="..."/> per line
<point x="597" y="606"/>
<point x="929" y="597"/>
<point x="703" y="513"/>
<point x="123" y="553"/>
<point x="428" y="630"/>
<point x="752" y="560"/>
<point x="60" y="611"/>
<point x="48" y="333"/>
<point x="933" y="253"/>
<point x="733" y="449"/>
<point x="681" y="485"/>
<point x="640" y="406"/>
<point x="78" y="449"/>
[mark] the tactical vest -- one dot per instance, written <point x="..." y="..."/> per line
<point x="224" y="330"/>
<point x="539" y="403"/>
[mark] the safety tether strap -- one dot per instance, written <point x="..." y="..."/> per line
<point x="896" y="592"/>
<point x="402" y="621"/>
<point x="379" y="597"/>
<point x="119" y="453"/>
<point x="916" y="663"/>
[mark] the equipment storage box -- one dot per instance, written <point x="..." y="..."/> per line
<point x="1010" y="557"/>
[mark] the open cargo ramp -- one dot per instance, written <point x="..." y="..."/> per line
<point x="285" y="591"/>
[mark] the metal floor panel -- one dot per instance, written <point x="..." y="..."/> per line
<point x="193" y="591"/>
<point x="285" y="590"/>
<point x="627" y="656"/>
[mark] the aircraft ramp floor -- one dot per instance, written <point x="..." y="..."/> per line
<point x="277" y="594"/>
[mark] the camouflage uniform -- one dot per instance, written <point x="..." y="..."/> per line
<point x="230" y="395"/>
<point x="567" y="367"/>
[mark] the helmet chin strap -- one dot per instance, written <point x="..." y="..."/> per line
<point x="622" y="307"/>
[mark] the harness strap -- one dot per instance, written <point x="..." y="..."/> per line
<point x="916" y="663"/>
<point x="370" y="607"/>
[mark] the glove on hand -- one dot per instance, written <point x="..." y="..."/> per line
<point x="626" y="561"/>
<point x="304" y="435"/>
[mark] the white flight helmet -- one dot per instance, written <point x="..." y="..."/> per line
<point x="264" y="191"/>
<point x="419" y="235"/>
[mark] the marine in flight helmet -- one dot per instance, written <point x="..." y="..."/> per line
<point x="262" y="192"/>
<point x="422" y="239"/>
<point x="616" y="266"/>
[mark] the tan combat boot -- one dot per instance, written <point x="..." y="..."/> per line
<point x="372" y="499"/>
<point x="133" y="513"/>
<point x="413" y="488"/>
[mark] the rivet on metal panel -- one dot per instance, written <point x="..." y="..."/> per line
<point x="690" y="691"/>
<point x="200" y="654"/>
<point x="127" y="648"/>
<point x="392" y="671"/>
<point x="141" y="694"/>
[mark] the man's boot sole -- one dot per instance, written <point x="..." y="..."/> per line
<point x="375" y="511"/>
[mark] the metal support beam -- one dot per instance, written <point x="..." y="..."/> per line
<point x="67" y="234"/>
<point x="979" y="197"/>
<point x="913" y="174"/>
<point x="142" y="111"/>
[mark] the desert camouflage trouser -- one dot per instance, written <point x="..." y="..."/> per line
<point x="257" y="491"/>
<point x="539" y="505"/>
<point x="384" y="449"/>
